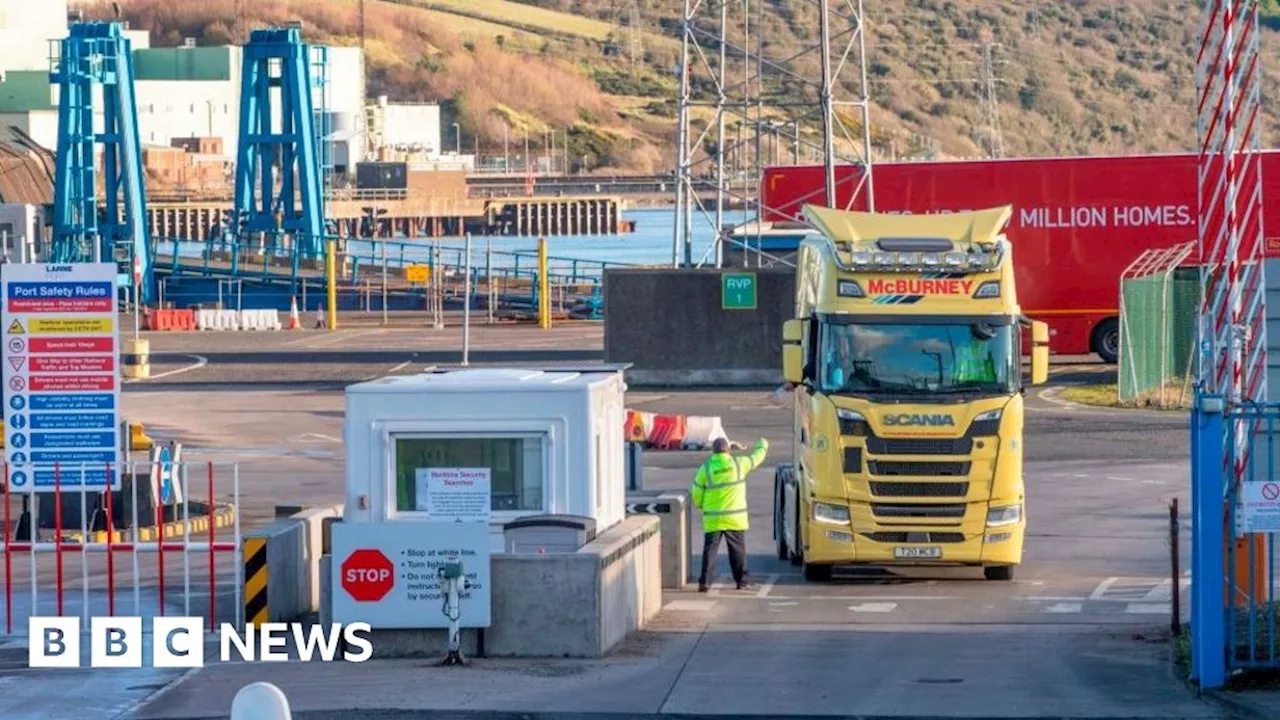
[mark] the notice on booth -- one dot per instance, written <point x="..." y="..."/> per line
<point x="1259" y="510"/>
<point x="459" y="494"/>
<point x="61" y="375"/>
<point x="387" y="574"/>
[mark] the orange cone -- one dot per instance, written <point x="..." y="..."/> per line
<point x="295" y="322"/>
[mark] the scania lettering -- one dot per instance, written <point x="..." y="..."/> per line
<point x="919" y="420"/>
<point x="908" y="410"/>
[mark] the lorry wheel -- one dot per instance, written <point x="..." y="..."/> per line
<point x="779" y="532"/>
<point x="818" y="573"/>
<point x="797" y="552"/>
<point x="998" y="572"/>
<point x="1106" y="340"/>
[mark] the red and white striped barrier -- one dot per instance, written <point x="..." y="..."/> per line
<point x="190" y="542"/>
<point x="673" y="432"/>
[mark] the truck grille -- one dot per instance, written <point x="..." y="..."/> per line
<point x="920" y="489"/>
<point x="853" y="460"/>
<point x="918" y="511"/>
<point x="917" y="467"/>
<point x="919" y="446"/>
<point x="915" y="537"/>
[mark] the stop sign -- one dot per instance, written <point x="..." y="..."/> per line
<point x="367" y="575"/>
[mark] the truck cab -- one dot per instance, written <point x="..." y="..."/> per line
<point x="905" y="363"/>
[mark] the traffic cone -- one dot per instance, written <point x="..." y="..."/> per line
<point x="295" y="322"/>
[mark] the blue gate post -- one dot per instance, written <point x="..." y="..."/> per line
<point x="1208" y="573"/>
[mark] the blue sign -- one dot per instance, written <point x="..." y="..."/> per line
<point x="60" y="371"/>
<point x="71" y="421"/>
<point x="86" y="440"/>
<point x="166" y="476"/>
<point x="18" y="479"/>
<point x="95" y="401"/>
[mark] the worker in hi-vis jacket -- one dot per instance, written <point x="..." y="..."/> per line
<point x="720" y="492"/>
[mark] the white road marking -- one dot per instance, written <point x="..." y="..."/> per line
<point x="401" y="366"/>
<point x="1102" y="588"/>
<point x="690" y="605"/>
<point x="1065" y="608"/>
<point x="766" y="587"/>
<point x="1147" y="609"/>
<point x="1078" y="475"/>
<point x="881" y="607"/>
<point x="200" y="362"/>
<point x="843" y="598"/>
<point x="781" y="606"/>
<point x="303" y="438"/>
<point x="1122" y="479"/>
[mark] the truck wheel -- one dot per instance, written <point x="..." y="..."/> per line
<point x="998" y="572"/>
<point x="779" y="532"/>
<point x="818" y="573"/>
<point x="1106" y="340"/>
<point x="797" y="552"/>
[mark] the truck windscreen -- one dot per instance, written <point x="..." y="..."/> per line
<point x="936" y="358"/>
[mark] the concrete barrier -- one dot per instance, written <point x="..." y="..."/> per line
<point x="555" y="605"/>
<point x="672" y="327"/>
<point x="282" y="566"/>
<point x="672" y="510"/>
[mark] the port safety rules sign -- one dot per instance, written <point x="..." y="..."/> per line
<point x="61" y="375"/>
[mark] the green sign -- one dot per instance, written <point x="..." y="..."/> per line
<point x="738" y="291"/>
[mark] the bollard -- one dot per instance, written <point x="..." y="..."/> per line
<point x="260" y="701"/>
<point x="136" y="359"/>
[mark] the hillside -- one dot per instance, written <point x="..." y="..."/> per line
<point x="1084" y="76"/>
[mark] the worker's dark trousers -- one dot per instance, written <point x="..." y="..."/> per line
<point x="737" y="542"/>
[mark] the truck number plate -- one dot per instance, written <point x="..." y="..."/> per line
<point x="917" y="552"/>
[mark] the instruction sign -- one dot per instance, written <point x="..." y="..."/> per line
<point x="61" y="375"/>
<point x="411" y="596"/>
<point x="738" y="291"/>
<point x="1259" y="509"/>
<point x="456" y="494"/>
<point x="417" y="274"/>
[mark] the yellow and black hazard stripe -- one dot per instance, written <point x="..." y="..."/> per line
<point x="255" y="581"/>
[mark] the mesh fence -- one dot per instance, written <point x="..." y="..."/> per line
<point x="1157" y="334"/>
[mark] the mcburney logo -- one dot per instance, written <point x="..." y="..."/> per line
<point x="179" y="642"/>
<point x="904" y="286"/>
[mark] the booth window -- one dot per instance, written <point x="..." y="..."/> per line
<point x="515" y="467"/>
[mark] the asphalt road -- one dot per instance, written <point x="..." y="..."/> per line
<point x="1082" y="631"/>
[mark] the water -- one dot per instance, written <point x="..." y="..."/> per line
<point x="650" y="244"/>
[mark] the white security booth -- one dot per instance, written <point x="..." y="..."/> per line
<point x="492" y="502"/>
<point x="552" y="440"/>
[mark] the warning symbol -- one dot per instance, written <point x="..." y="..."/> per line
<point x="17" y="345"/>
<point x="17" y="383"/>
<point x="1271" y="491"/>
<point x="15" y="328"/>
<point x="17" y="362"/>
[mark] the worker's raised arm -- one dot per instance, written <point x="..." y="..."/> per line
<point x="699" y="484"/>
<point x="753" y="461"/>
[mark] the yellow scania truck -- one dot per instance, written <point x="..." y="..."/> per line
<point x="905" y="359"/>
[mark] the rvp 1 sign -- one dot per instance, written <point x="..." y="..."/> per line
<point x="1259" y="508"/>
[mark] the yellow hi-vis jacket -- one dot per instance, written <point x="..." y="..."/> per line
<point x="720" y="488"/>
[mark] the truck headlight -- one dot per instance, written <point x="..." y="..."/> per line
<point x="988" y="289"/>
<point x="1006" y="515"/>
<point x="828" y="513"/>
<point x="989" y="415"/>
<point x="852" y="423"/>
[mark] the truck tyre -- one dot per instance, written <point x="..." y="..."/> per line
<point x="818" y="573"/>
<point x="779" y="531"/>
<point x="1106" y="340"/>
<point x="998" y="572"/>
<point x="797" y="552"/>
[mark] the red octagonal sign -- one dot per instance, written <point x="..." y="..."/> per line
<point x="367" y="575"/>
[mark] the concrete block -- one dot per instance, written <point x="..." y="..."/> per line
<point x="287" y="597"/>
<point x="671" y="507"/>
<point x="555" y="605"/>
<point x="314" y="546"/>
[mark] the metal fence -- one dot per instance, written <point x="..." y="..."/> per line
<point x="1158" y="306"/>
<point x="1235" y="515"/>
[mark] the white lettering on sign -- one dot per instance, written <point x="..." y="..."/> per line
<point x="368" y="575"/>
<point x="1258" y="508"/>
<point x="1129" y="216"/>
<point x="738" y="282"/>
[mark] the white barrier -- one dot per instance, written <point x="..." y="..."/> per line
<point x="260" y="701"/>
<point x="700" y="432"/>
<point x="238" y="320"/>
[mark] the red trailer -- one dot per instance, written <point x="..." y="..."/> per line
<point x="1077" y="222"/>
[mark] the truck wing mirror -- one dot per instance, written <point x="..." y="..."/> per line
<point x="1039" y="353"/>
<point x="793" y="352"/>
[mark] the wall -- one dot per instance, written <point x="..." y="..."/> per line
<point x="669" y="324"/>
<point x="169" y="109"/>
<point x="41" y="125"/>
<point x="412" y="125"/>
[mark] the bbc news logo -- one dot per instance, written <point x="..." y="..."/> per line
<point x="178" y="642"/>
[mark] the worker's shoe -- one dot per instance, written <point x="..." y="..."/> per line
<point x="702" y="588"/>
<point x="745" y="585"/>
